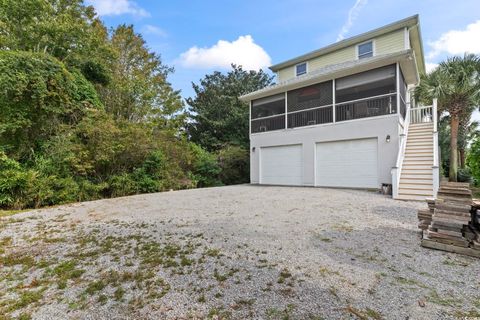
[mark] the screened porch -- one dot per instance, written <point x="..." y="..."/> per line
<point x="373" y="93"/>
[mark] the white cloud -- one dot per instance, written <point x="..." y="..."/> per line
<point x="352" y="15"/>
<point x="117" y="7"/>
<point x="149" y="29"/>
<point x="243" y="51"/>
<point x="457" y="41"/>
<point x="430" y="66"/>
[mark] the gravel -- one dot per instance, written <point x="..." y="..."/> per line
<point x="237" y="252"/>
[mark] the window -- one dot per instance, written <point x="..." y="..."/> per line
<point x="301" y="69"/>
<point x="365" y="50"/>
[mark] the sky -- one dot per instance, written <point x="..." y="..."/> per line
<point x="199" y="37"/>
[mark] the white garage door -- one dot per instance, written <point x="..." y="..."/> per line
<point x="281" y="165"/>
<point x="351" y="163"/>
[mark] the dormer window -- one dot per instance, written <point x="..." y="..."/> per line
<point x="365" y="50"/>
<point x="301" y="68"/>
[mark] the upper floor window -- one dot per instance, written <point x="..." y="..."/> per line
<point x="365" y="50"/>
<point x="301" y="69"/>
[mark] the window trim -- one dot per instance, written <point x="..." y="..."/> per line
<point x="306" y="69"/>
<point x="365" y="42"/>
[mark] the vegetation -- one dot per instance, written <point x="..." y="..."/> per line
<point x="456" y="85"/>
<point x="87" y="113"/>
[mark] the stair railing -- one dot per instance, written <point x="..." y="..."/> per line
<point x="436" y="166"/>
<point x="397" y="170"/>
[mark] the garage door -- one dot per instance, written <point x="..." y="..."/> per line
<point x="351" y="163"/>
<point x="281" y="165"/>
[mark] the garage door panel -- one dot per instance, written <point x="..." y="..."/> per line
<point x="282" y="165"/>
<point x="347" y="164"/>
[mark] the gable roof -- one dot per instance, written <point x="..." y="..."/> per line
<point x="412" y="22"/>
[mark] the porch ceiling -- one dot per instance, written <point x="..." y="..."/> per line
<point x="406" y="59"/>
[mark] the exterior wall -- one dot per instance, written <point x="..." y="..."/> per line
<point x="387" y="43"/>
<point x="378" y="127"/>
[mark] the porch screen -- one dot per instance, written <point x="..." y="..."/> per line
<point x="269" y="106"/>
<point x="366" y="84"/>
<point x="310" y="97"/>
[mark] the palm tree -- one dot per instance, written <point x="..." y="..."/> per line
<point x="456" y="85"/>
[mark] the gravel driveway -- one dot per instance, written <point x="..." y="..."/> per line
<point x="238" y="252"/>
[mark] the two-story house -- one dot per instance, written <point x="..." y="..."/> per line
<point x="343" y="116"/>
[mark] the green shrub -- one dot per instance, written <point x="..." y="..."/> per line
<point x="234" y="162"/>
<point x="122" y="185"/>
<point x="205" y="168"/>
<point x="15" y="183"/>
<point x="464" y="175"/>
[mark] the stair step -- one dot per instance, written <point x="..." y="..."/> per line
<point x="405" y="186"/>
<point x="412" y="197"/>
<point x="418" y="153"/>
<point x="419" y="143"/>
<point x="415" y="176"/>
<point x="419" y="139"/>
<point x="422" y="173"/>
<point x="418" y="164"/>
<point x="427" y="193"/>
<point x="417" y="159"/>
<point x="421" y="124"/>
<point x="416" y="181"/>
<point x="419" y="146"/>
<point x="422" y="131"/>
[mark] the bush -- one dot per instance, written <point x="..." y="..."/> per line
<point x="205" y="168"/>
<point x="464" y="175"/>
<point x="15" y="183"/>
<point x="234" y="162"/>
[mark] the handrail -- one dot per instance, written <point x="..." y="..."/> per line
<point x="435" y="167"/>
<point x="397" y="170"/>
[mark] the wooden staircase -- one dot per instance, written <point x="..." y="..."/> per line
<point x="416" y="176"/>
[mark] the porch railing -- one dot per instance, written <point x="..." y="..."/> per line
<point x="268" y="123"/>
<point x="367" y="107"/>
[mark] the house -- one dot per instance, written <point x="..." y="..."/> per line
<point x="344" y="116"/>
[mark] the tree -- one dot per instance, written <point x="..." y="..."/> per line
<point x="456" y="85"/>
<point x="217" y="116"/>
<point x="65" y="29"/>
<point x="39" y="96"/>
<point x="139" y="90"/>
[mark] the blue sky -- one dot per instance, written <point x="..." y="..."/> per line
<point x="260" y="33"/>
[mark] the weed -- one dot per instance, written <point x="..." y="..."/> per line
<point x="119" y="293"/>
<point x="94" y="287"/>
